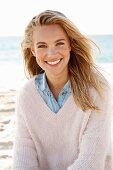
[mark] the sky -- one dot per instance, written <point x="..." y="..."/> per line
<point x="90" y="16"/>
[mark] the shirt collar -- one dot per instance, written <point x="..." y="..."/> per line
<point x="45" y="87"/>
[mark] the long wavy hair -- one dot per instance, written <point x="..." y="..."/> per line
<point x="83" y="73"/>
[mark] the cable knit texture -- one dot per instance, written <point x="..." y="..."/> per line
<point x="69" y="140"/>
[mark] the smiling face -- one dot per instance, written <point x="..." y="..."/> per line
<point x="51" y="47"/>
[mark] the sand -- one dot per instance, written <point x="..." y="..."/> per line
<point x="7" y="124"/>
<point x="7" y="119"/>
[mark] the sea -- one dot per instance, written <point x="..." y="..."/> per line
<point x="12" y="66"/>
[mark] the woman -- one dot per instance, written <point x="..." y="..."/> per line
<point x="64" y="110"/>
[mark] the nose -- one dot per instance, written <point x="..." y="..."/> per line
<point x="51" y="52"/>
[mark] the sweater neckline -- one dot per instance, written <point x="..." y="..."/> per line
<point x="45" y="109"/>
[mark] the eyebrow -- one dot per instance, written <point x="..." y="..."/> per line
<point x="41" y="42"/>
<point x="60" y="40"/>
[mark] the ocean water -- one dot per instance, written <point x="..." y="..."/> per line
<point x="11" y="61"/>
<point x="105" y="44"/>
<point x="10" y="50"/>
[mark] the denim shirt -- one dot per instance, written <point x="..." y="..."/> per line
<point x="47" y="95"/>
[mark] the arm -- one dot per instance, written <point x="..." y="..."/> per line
<point x="24" y="152"/>
<point x="96" y="138"/>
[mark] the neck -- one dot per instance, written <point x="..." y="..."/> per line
<point x="56" y="83"/>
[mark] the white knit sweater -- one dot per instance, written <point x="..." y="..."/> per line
<point x="69" y="140"/>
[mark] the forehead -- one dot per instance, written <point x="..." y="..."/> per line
<point x="49" y="31"/>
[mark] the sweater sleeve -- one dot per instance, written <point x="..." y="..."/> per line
<point x="24" y="151"/>
<point x="96" y="138"/>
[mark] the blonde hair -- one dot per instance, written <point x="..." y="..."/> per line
<point x="82" y="71"/>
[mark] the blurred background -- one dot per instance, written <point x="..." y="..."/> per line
<point x="93" y="19"/>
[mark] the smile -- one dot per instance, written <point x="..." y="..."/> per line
<point x="54" y="62"/>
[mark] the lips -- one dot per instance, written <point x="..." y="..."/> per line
<point x="53" y="62"/>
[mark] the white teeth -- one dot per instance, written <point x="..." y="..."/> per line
<point x="53" y="62"/>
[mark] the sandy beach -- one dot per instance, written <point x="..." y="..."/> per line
<point x="7" y="118"/>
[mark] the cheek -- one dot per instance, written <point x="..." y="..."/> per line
<point x="65" y="49"/>
<point x="39" y="62"/>
<point x="39" y="56"/>
<point x="66" y="52"/>
<point x="38" y="59"/>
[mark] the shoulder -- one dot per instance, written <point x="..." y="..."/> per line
<point x="28" y="85"/>
<point x="26" y="90"/>
<point x="105" y="90"/>
<point x="103" y="100"/>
